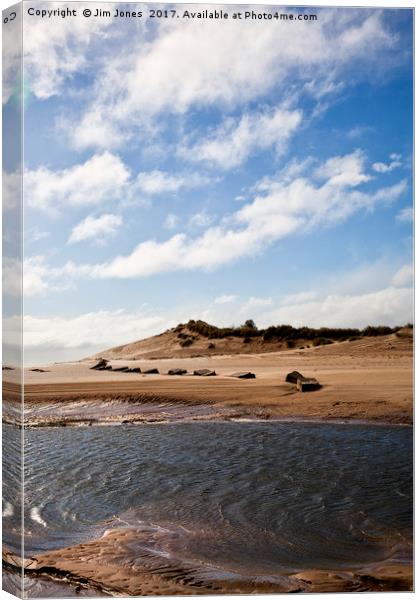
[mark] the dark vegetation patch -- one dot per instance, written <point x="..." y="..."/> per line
<point x="286" y="334"/>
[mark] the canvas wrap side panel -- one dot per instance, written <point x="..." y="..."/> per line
<point x="12" y="465"/>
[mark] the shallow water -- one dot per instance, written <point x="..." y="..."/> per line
<point x="258" y="498"/>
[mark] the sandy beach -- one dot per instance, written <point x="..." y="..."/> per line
<point x="106" y="567"/>
<point x="363" y="381"/>
<point x="368" y="379"/>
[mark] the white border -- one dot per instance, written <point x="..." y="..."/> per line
<point x="337" y="3"/>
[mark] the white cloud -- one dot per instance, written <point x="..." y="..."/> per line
<point x="50" y="339"/>
<point x="344" y="170"/>
<point x="11" y="190"/>
<point x="255" y="306"/>
<point x="12" y="276"/>
<point x="101" y="178"/>
<point x="279" y="209"/>
<point x="381" y="167"/>
<point x="32" y="277"/>
<point x="406" y="215"/>
<point x="96" y="228"/>
<point x="283" y="207"/>
<point x="259" y="302"/>
<point x="53" y="55"/>
<point x="163" y="76"/>
<point x="323" y="87"/>
<point x="358" y="131"/>
<point x="373" y="294"/>
<point x="389" y="306"/>
<point x="376" y="293"/>
<point x="404" y="276"/>
<point x="201" y="219"/>
<point x="104" y="327"/>
<point x="225" y="299"/>
<point x="38" y="235"/>
<point x="159" y="182"/>
<point x="171" y="221"/>
<point x="235" y="140"/>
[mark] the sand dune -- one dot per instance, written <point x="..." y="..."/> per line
<point x="368" y="379"/>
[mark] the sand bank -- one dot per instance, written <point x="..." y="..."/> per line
<point x="368" y="380"/>
<point x="106" y="566"/>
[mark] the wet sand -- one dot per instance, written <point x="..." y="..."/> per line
<point x="107" y="567"/>
<point x="366" y="380"/>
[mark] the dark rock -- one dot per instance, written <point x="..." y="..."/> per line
<point x="100" y="365"/>
<point x="204" y="372"/>
<point x="122" y="369"/>
<point x="294" y="377"/>
<point x="243" y="375"/>
<point x="177" y="371"/>
<point x="308" y="384"/>
<point x="135" y="370"/>
<point x="39" y="370"/>
<point x="151" y="372"/>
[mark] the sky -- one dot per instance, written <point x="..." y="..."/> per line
<point x="182" y="169"/>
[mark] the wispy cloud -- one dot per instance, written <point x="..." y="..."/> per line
<point x="101" y="178"/>
<point x="53" y="55"/>
<point x="201" y="219"/>
<point x="84" y="334"/>
<point x="406" y="215"/>
<point x="11" y="190"/>
<point x="327" y="195"/>
<point x="158" y="182"/>
<point x="171" y="221"/>
<point x="404" y="276"/>
<point x="225" y="299"/>
<point x="359" y="131"/>
<point x="395" y="162"/>
<point x="95" y="228"/>
<point x="235" y="140"/>
<point x="375" y="294"/>
<point x="391" y="305"/>
<point x="163" y="76"/>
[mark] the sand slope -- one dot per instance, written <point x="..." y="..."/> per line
<point x="368" y="379"/>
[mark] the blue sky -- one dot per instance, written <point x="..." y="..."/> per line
<point x="222" y="171"/>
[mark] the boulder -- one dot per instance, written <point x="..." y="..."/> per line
<point x="100" y="365"/>
<point x="39" y="370"/>
<point x="243" y="375"/>
<point x="204" y="372"/>
<point x="308" y="384"/>
<point x="177" y="371"/>
<point x="122" y="369"/>
<point x="135" y="370"/>
<point x="151" y="371"/>
<point x="294" y="377"/>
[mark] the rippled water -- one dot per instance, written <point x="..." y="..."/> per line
<point x="250" y="497"/>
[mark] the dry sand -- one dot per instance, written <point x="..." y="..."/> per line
<point x="369" y="379"/>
